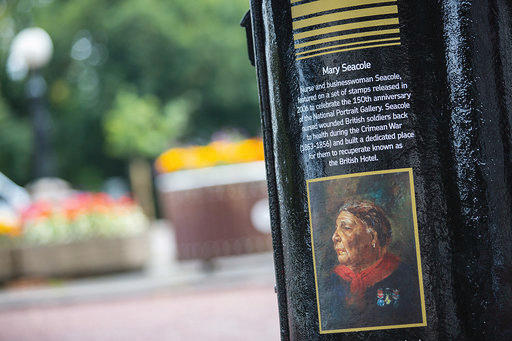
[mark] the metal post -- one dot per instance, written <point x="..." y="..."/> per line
<point x="387" y="129"/>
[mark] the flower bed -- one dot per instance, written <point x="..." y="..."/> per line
<point x="83" y="257"/>
<point x="209" y="193"/>
<point x="80" y="217"/>
<point x="214" y="154"/>
<point x="83" y="235"/>
<point x="10" y="229"/>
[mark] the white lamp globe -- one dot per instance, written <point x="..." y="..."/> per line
<point x="33" y="46"/>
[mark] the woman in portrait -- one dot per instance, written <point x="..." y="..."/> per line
<point x="369" y="284"/>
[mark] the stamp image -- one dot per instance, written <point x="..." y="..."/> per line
<point x="366" y="251"/>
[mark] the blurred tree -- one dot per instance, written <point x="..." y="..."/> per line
<point x="137" y="128"/>
<point x="163" y="49"/>
<point x="15" y="143"/>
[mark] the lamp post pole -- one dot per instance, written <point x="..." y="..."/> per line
<point x="30" y="51"/>
<point x="41" y="125"/>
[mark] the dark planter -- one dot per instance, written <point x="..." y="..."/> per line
<point x="218" y="211"/>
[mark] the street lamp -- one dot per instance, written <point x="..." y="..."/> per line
<point x="31" y="50"/>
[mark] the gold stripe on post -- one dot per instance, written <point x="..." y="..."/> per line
<point x="348" y="44"/>
<point x="347" y="36"/>
<point x="328" y="5"/>
<point x="357" y="13"/>
<point x="348" y="49"/>
<point x="344" y="27"/>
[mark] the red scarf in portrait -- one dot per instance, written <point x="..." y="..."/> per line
<point x="367" y="278"/>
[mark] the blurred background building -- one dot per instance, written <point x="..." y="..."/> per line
<point x="132" y="184"/>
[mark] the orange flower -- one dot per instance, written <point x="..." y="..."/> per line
<point x="215" y="153"/>
<point x="10" y="224"/>
<point x="38" y="210"/>
<point x="76" y="206"/>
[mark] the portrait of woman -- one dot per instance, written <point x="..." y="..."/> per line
<point x="362" y="233"/>
<point x="366" y="272"/>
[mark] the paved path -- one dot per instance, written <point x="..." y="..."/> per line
<point x="247" y="312"/>
<point x="166" y="301"/>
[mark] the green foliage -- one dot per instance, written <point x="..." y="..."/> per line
<point x="164" y="50"/>
<point x="15" y="144"/>
<point x="136" y="126"/>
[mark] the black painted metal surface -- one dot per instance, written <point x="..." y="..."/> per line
<point x="457" y="56"/>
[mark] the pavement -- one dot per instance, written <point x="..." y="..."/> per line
<point x="169" y="300"/>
